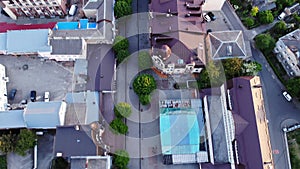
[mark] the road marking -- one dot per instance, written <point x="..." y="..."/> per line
<point x="276" y="151"/>
<point x="273" y="77"/>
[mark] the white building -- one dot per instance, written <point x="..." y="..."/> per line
<point x="287" y="50"/>
<point x="213" y="5"/>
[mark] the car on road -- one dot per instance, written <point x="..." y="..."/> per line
<point x="287" y="96"/>
<point x="211" y="15"/>
<point x="47" y="97"/>
<point x="12" y="94"/>
<point x="33" y="95"/>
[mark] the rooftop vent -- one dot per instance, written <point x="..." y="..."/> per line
<point x="229" y="50"/>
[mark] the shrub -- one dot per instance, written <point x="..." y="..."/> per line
<point x="120" y="43"/>
<point x="26" y="140"/>
<point x="121" y="159"/>
<point x="122" y="109"/>
<point x="144" y="84"/>
<point x="265" y="17"/>
<point x="122" y="55"/>
<point x="248" y="22"/>
<point x="118" y="126"/>
<point x="145" y="99"/>
<point x="145" y="61"/>
<point x="122" y="8"/>
<point x="3" y="163"/>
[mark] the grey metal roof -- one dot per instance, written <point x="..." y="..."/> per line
<point x="66" y="46"/>
<point x="92" y="4"/>
<point x="12" y="119"/>
<point x="43" y="114"/>
<point x="72" y="142"/>
<point x="220" y="41"/>
<point x="3" y="41"/>
<point x="27" y="41"/>
<point x="218" y="129"/>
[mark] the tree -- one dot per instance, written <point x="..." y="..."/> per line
<point x="118" y="126"/>
<point x="254" y="11"/>
<point x="26" y="140"/>
<point x="122" y="109"/>
<point x="122" y="8"/>
<point x="280" y="27"/>
<point x="251" y="69"/>
<point x="8" y="142"/>
<point x="214" y="73"/>
<point x="144" y="84"/>
<point x="248" y="21"/>
<point x="293" y="86"/>
<point x="265" y="42"/>
<point x="120" y="43"/>
<point x="145" y="99"/>
<point x="265" y="17"/>
<point x="232" y="67"/>
<point x="203" y="80"/>
<point x="122" y="55"/>
<point x="145" y="61"/>
<point x="121" y="159"/>
<point x="3" y="163"/>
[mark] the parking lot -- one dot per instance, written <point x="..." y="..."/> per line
<point x="40" y="76"/>
<point x="220" y="24"/>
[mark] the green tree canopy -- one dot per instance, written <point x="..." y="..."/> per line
<point x="248" y="22"/>
<point x="8" y="142"/>
<point x="265" y="42"/>
<point x="144" y="84"/>
<point x="122" y="55"/>
<point x="121" y="159"/>
<point x="293" y="86"/>
<point x="122" y="109"/>
<point x="118" y="126"/>
<point x="145" y="99"/>
<point x="254" y="11"/>
<point x="3" y="163"/>
<point x="265" y="17"/>
<point x="251" y="69"/>
<point x="232" y="67"/>
<point x="122" y="8"/>
<point x="280" y="27"/>
<point x="120" y="43"/>
<point x="26" y="140"/>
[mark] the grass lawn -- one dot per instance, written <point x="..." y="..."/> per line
<point x="294" y="149"/>
<point x="3" y="164"/>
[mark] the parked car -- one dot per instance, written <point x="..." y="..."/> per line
<point x="12" y="94"/>
<point x="33" y="95"/>
<point x="73" y="10"/>
<point x="287" y="96"/>
<point x="206" y="17"/>
<point x="281" y="16"/>
<point x="211" y="15"/>
<point x="47" y="97"/>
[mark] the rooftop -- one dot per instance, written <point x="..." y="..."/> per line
<point x="66" y="46"/>
<point x="17" y="41"/>
<point x="72" y="142"/>
<point x="12" y="119"/>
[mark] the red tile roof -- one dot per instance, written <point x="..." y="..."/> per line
<point x="4" y="27"/>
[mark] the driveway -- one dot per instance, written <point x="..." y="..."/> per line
<point x="45" y="150"/>
<point x="41" y="76"/>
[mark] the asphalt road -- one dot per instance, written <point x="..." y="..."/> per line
<point x="279" y="111"/>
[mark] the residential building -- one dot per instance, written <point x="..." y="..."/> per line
<point x="37" y="115"/>
<point x="227" y="44"/>
<point x="287" y="52"/>
<point x="3" y="89"/>
<point x="34" y="8"/>
<point x="173" y="24"/>
<point x="83" y="146"/>
<point x="45" y="115"/>
<point x="17" y="42"/>
<point x="213" y="5"/>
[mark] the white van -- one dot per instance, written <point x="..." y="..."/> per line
<point x="73" y="10"/>
<point x="281" y="16"/>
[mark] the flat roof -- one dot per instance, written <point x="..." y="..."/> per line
<point x="179" y="127"/>
<point x="66" y="46"/>
<point x="72" y="142"/>
<point x="28" y="41"/>
<point x="3" y="37"/>
<point x="12" y="119"/>
<point x="43" y="114"/>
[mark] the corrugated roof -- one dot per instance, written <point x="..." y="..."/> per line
<point x="28" y="41"/>
<point x="43" y="114"/>
<point x="12" y="119"/>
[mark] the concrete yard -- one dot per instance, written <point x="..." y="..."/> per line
<point x="40" y="76"/>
